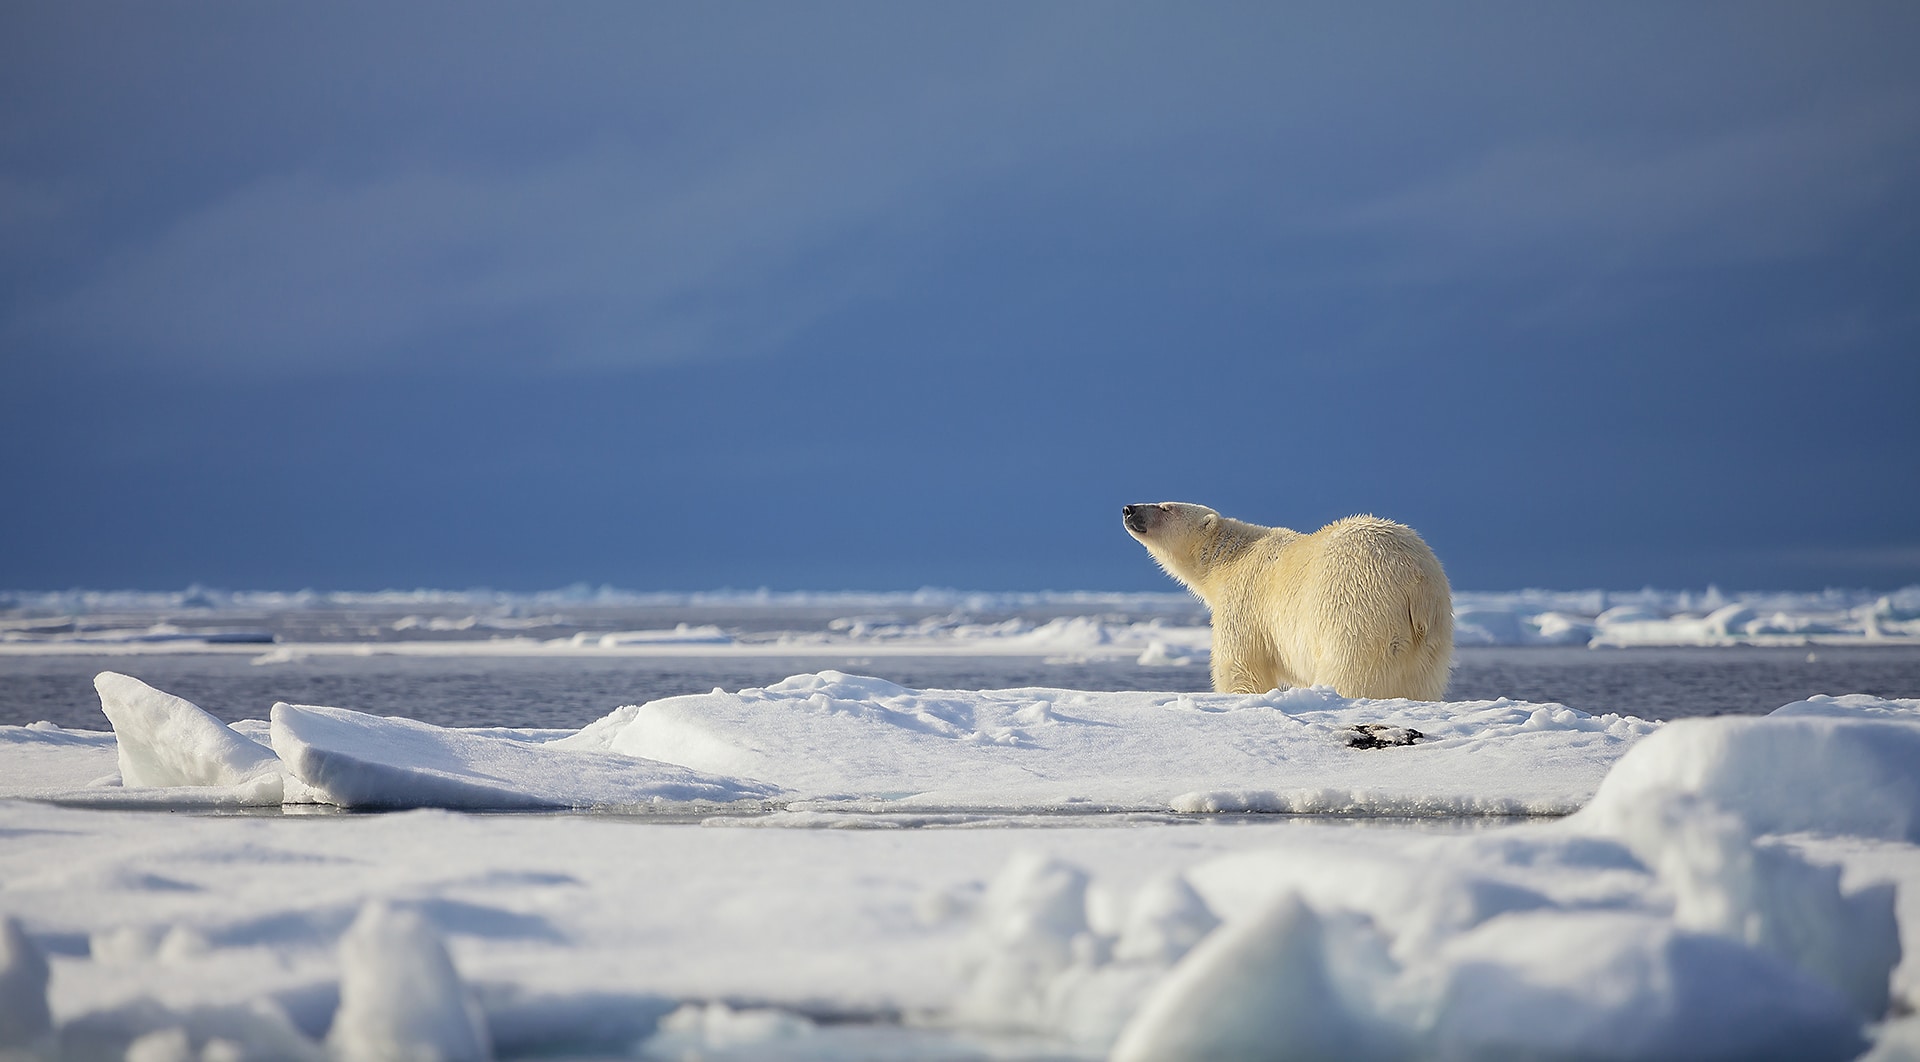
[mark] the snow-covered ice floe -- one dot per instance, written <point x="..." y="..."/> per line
<point x="838" y="741"/>
<point x="1729" y="888"/>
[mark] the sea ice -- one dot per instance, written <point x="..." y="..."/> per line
<point x="168" y="741"/>
<point x="1732" y="888"/>
<point x="400" y="997"/>
<point x="1783" y="773"/>
<point x="361" y="761"/>
<point x="833" y="736"/>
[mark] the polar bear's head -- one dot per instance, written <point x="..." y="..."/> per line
<point x="1178" y="534"/>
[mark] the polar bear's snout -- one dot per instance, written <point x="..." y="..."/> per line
<point x="1136" y="516"/>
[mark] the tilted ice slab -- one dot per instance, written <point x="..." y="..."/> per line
<point x="169" y="741"/>
<point x="838" y="737"/>
<point x="170" y="751"/>
<point x="362" y="761"/>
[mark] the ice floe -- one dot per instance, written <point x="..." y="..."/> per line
<point x="1652" y="925"/>
<point x="836" y="740"/>
<point x="1727" y="888"/>
<point x="838" y="737"/>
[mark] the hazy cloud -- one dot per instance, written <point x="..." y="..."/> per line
<point x="1785" y="188"/>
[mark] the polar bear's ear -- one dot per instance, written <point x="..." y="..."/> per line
<point x="1210" y="519"/>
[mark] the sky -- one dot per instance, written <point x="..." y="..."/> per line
<point x="889" y="295"/>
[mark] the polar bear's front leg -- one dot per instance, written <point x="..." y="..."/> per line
<point x="1234" y="667"/>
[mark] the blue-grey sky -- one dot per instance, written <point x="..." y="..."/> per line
<point x="883" y="295"/>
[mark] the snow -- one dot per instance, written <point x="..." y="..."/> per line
<point x="832" y="740"/>
<point x="165" y="740"/>
<point x="1724" y="888"/>
<point x="838" y="737"/>
<point x="1866" y="771"/>
<point x="355" y="760"/>
<point x="400" y="997"/>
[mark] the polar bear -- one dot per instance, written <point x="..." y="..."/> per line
<point x="1361" y="605"/>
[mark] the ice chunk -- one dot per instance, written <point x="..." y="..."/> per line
<point x="166" y="740"/>
<point x="716" y="1030"/>
<point x="144" y="1028"/>
<point x="681" y="634"/>
<point x="1603" y="984"/>
<point x="1417" y="904"/>
<point x="357" y="760"/>
<point x="1778" y="774"/>
<point x="25" y="1021"/>
<point x="1160" y="654"/>
<point x="1026" y="932"/>
<point x="400" y="997"/>
<point x="1165" y="920"/>
<point x="1853" y="706"/>
<point x="172" y="1044"/>
<point x="1765" y="896"/>
<point x="1259" y="989"/>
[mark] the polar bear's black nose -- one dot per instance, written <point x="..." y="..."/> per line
<point x="1135" y="517"/>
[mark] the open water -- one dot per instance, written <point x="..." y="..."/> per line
<point x="569" y="692"/>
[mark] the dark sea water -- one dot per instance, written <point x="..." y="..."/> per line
<point x="569" y="692"/>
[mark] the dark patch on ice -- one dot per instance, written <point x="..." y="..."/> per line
<point x="1379" y="736"/>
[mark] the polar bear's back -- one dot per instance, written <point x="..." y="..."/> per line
<point x="1373" y="610"/>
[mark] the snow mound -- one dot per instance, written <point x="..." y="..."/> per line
<point x="400" y="997"/>
<point x="166" y="740"/>
<point x="833" y="736"/>
<point x="356" y="760"/>
<point x="1853" y="706"/>
<point x="1438" y="950"/>
<point x="1246" y="991"/>
<point x="1856" y="776"/>
<point x="145" y="1030"/>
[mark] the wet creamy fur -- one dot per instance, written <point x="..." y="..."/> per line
<point x="1361" y="605"/>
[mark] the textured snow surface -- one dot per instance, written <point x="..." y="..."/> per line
<point x="837" y="736"/>
<point x="835" y="740"/>
<point x="362" y="761"/>
<point x="1733" y="888"/>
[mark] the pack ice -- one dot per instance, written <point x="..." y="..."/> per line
<point x="1733" y="888"/>
<point x="838" y="740"/>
